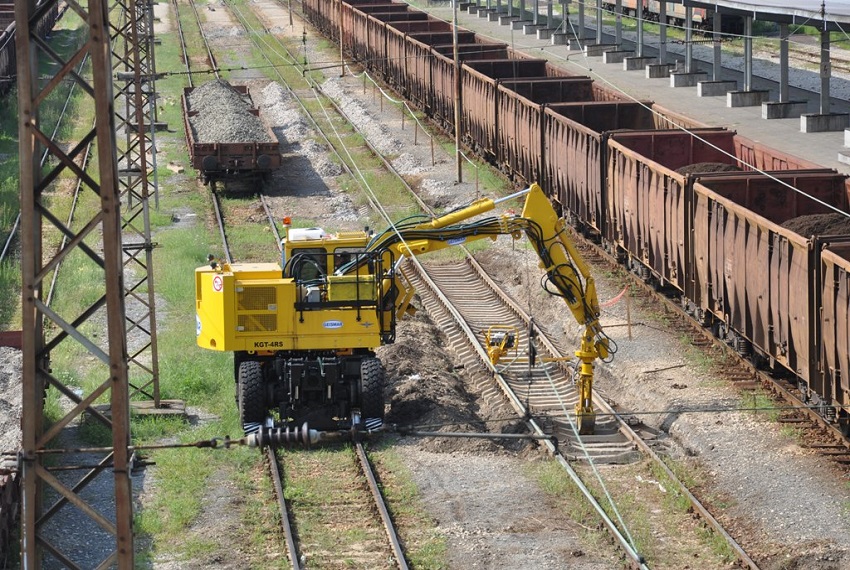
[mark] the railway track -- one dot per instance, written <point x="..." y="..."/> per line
<point x="614" y="449"/>
<point x="455" y="295"/>
<point x="351" y="499"/>
<point x="356" y="499"/>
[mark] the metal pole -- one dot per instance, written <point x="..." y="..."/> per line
<point x="639" y="15"/>
<point x="341" y="48"/>
<point x="716" y="23"/>
<point x="748" y="54"/>
<point x="618" y="27"/>
<point x="662" y="34"/>
<point x="457" y="93"/>
<point x="689" y="39"/>
<point x="599" y="22"/>
<point x="783" y="63"/>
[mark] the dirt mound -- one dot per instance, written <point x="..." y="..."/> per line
<point x="424" y="390"/>
<point x="834" y="224"/>
<point x="701" y="167"/>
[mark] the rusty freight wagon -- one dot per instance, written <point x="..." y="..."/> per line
<point x="225" y="136"/>
<point x="648" y="174"/>
<point x="833" y="383"/>
<point x="763" y="277"/>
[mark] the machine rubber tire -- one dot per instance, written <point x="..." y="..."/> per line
<point x="251" y="392"/>
<point x="372" y="380"/>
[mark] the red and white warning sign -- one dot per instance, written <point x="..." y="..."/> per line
<point x="217" y="284"/>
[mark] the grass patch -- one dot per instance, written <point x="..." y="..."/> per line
<point x="554" y="482"/>
<point x="760" y="404"/>
<point x="791" y="432"/>
<point x="10" y="294"/>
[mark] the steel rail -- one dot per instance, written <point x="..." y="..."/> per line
<point x="380" y="503"/>
<point x="213" y="196"/>
<point x="315" y="122"/>
<point x="8" y="242"/>
<point x="286" y="524"/>
<point x="602" y="405"/>
<point x="182" y="37"/>
<point x="210" y="56"/>
<point x="365" y="467"/>
<point x="524" y="412"/>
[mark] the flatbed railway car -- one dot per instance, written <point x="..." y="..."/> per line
<point x="225" y="137"/>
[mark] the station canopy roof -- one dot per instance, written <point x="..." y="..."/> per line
<point x="836" y="13"/>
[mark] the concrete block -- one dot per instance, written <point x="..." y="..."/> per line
<point x="820" y="123"/>
<point x="560" y="39"/>
<point x="715" y="88"/>
<point x="485" y="12"/>
<point x="575" y="44"/>
<point x="746" y="98"/>
<point x="544" y="33"/>
<point x="844" y="157"/>
<point x="507" y="20"/>
<point x="517" y="24"/>
<point x="658" y="70"/>
<point x="635" y="63"/>
<point x="687" y="79"/>
<point x="592" y="50"/>
<point x="783" y="110"/>
<point x="493" y="16"/>
<point x="615" y="56"/>
<point x="472" y="8"/>
<point x="531" y="29"/>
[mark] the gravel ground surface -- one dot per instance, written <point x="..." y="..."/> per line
<point x="10" y="399"/>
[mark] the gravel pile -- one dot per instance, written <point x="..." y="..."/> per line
<point x="376" y="132"/>
<point x="224" y="115"/>
<point x="10" y="399"/>
<point x="289" y="126"/>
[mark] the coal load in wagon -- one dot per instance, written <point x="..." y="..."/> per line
<point x="224" y="115"/>
<point x="833" y="224"/>
<point x="705" y="167"/>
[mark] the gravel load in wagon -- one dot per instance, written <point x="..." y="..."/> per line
<point x="224" y="115"/>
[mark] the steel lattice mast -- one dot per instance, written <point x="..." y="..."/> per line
<point x="97" y="333"/>
<point x="134" y="68"/>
